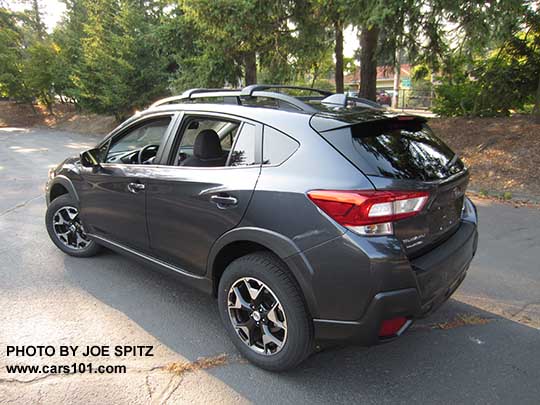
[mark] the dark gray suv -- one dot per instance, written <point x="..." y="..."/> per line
<point x="315" y="218"/>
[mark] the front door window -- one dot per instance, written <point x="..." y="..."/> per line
<point x="139" y="145"/>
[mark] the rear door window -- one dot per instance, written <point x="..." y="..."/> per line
<point x="207" y="154"/>
<point x="207" y="141"/>
<point x="396" y="149"/>
<point x="243" y="153"/>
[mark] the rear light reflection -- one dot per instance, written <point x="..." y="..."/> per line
<point x="391" y="327"/>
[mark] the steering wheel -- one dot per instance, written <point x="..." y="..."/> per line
<point x="145" y="149"/>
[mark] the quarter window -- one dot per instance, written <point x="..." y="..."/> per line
<point x="277" y="147"/>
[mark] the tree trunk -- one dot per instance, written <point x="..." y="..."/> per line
<point x="250" y="66"/>
<point x="39" y="26"/>
<point x="368" y="63"/>
<point x="536" y="109"/>
<point x="338" y="28"/>
<point x="315" y="74"/>
<point x="397" y="77"/>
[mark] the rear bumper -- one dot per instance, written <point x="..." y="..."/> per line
<point x="385" y="305"/>
<point x="438" y="274"/>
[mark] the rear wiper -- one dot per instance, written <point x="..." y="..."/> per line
<point x="452" y="161"/>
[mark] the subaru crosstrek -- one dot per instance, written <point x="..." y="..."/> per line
<point x="314" y="219"/>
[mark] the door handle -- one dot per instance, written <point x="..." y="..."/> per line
<point x="135" y="187"/>
<point x="224" y="201"/>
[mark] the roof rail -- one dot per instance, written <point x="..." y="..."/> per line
<point x="188" y="95"/>
<point x="166" y="101"/>
<point x="258" y="90"/>
<point x="249" y="90"/>
<point x="290" y="101"/>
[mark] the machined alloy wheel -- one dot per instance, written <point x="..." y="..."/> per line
<point x="68" y="228"/>
<point x="257" y="316"/>
<point x="264" y="313"/>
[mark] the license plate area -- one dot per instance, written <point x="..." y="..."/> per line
<point x="445" y="218"/>
<point x="445" y="212"/>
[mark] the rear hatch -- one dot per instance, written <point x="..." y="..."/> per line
<point x="402" y="153"/>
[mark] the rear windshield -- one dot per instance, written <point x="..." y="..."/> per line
<point x="396" y="149"/>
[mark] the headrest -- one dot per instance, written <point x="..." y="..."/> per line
<point x="207" y="145"/>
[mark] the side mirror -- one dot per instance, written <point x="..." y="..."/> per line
<point x="90" y="158"/>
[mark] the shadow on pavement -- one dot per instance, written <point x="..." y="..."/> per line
<point x="489" y="362"/>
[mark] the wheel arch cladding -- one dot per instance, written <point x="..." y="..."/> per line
<point x="57" y="190"/>
<point x="230" y="252"/>
<point x="242" y="241"/>
<point x="62" y="185"/>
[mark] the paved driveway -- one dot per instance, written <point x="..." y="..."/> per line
<point x="483" y="346"/>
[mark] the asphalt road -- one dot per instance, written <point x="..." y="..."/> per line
<point x="483" y="346"/>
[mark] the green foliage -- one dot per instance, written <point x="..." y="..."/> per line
<point x="456" y="98"/>
<point x="119" y="68"/>
<point x="233" y="34"/>
<point x="106" y="56"/>
<point x="26" y="60"/>
<point x="436" y="32"/>
<point x="483" y="193"/>
<point x="11" y="56"/>
<point x="39" y="72"/>
<point x="503" y="82"/>
<point x="112" y="56"/>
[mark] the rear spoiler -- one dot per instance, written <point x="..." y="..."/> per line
<point x="323" y="122"/>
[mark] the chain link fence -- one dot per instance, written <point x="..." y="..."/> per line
<point x="410" y="99"/>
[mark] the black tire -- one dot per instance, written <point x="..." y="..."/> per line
<point x="91" y="249"/>
<point x="267" y="268"/>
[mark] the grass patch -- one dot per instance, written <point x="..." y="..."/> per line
<point x="199" y="364"/>
<point x="462" y="320"/>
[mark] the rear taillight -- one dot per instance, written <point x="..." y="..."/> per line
<point x="369" y="212"/>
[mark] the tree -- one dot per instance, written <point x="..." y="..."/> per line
<point x="536" y="110"/>
<point x="530" y="48"/>
<point x="68" y="36"/>
<point x="11" y="56"/>
<point x="110" y="56"/>
<point x="241" y="31"/>
<point x="431" y="31"/>
<point x="494" y="83"/>
<point x="309" y="48"/>
<point x="25" y="58"/>
<point x="39" y="74"/>
<point x="336" y="15"/>
<point x="368" y="62"/>
<point x="387" y="30"/>
<point x="36" y="20"/>
<point x="119" y="66"/>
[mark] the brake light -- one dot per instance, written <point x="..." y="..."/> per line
<point x="369" y="212"/>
